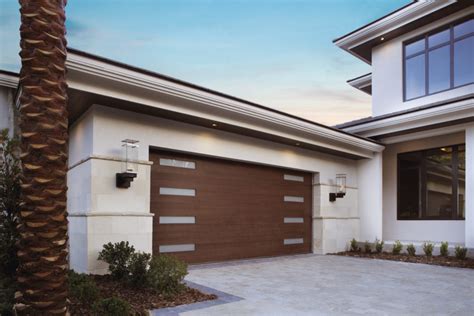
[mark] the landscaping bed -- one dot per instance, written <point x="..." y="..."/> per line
<point x="434" y="260"/>
<point x="141" y="300"/>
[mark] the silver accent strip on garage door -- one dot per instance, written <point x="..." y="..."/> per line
<point x="177" y="191"/>
<point x="289" y="220"/>
<point x="290" y="177"/>
<point x="293" y="241"/>
<point x="177" y="220"/>
<point x="177" y="248"/>
<point x="177" y="163"/>
<point x="297" y="199"/>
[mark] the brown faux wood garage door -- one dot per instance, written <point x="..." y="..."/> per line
<point x="210" y="209"/>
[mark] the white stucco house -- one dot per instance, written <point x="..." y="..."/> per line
<point x="216" y="177"/>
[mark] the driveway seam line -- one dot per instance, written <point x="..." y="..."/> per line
<point x="222" y="298"/>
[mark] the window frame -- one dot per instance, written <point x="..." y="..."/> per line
<point x="422" y="186"/>
<point x="450" y="26"/>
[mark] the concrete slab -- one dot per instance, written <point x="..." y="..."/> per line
<point x="332" y="285"/>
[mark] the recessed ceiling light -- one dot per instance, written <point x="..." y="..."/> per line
<point x="214" y="125"/>
<point x="382" y="38"/>
<point x="297" y="144"/>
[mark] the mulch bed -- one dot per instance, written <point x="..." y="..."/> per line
<point x="434" y="260"/>
<point x="141" y="300"/>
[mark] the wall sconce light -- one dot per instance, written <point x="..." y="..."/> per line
<point x="129" y="163"/>
<point x="340" y="188"/>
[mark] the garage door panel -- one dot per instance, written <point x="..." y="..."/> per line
<point x="224" y="251"/>
<point x="206" y="233"/>
<point x="238" y="210"/>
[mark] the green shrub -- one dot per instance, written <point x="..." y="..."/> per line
<point x="118" y="257"/>
<point x="7" y="293"/>
<point x="112" y="306"/>
<point x="443" y="249"/>
<point x="411" y="250"/>
<point x="367" y="247"/>
<point x="138" y="268"/>
<point x="166" y="274"/>
<point x="83" y="288"/>
<point x="10" y="172"/>
<point x="354" y="245"/>
<point x="428" y="248"/>
<point x="397" y="247"/>
<point x="378" y="245"/>
<point x="460" y="252"/>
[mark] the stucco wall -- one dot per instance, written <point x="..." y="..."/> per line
<point x="415" y="230"/>
<point x="387" y="73"/>
<point x="6" y="109"/>
<point x="96" y="141"/>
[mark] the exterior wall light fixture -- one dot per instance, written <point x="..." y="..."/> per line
<point x="129" y="163"/>
<point x="340" y="188"/>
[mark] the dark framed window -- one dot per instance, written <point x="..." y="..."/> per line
<point x="431" y="184"/>
<point x="439" y="60"/>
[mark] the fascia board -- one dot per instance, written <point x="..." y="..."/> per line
<point x="8" y="81"/>
<point x="103" y="70"/>
<point x="361" y="82"/>
<point x="450" y="112"/>
<point x="409" y="14"/>
<point x="427" y="134"/>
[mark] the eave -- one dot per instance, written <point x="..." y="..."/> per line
<point x="362" y="83"/>
<point x="141" y="90"/>
<point x="410" y="17"/>
<point x="93" y="79"/>
<point x="432" y="116"/>
<point x="9" y="79"/>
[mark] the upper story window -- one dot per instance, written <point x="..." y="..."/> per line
<point x="440" y="60"/>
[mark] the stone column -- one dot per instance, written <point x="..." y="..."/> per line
<point x="370" y="197"/>
<point x="469" y="222"/>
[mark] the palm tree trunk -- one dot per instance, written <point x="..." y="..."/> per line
<point x="43" y="253"/>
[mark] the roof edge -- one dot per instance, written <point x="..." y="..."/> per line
<point x="373" y="22"/>
<point x="217" y="93"/>
<point x="371" y="119"/>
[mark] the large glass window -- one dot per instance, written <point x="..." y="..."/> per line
<point x="440" y="60"/>
<point x="431" y="184"/>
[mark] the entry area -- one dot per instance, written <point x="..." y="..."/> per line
<point x="208" y="209"/>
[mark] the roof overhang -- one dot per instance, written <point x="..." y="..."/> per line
<point x="8" y="79"/>
<point x="362" y="83"/>
<point x="95" y="80"/>
<point x="432" y="116"/>
<point x="410" y="17"/>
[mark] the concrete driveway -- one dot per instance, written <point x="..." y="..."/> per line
<point x="332" y="285"/>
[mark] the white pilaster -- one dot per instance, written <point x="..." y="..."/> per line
<point x="369" y="177"/>
<point x="469" y="222"/>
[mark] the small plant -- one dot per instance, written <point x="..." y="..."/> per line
<point x="411" y="250"/>
<point x="118" y="257"/>
<point x="112" y="306"/>
<point x="378" y="246"/>
<point x="166" y="274"/>
<point x="443" y="249"/>
<point x="354" y="245"/>
<point x="10" y="172"/>
<point x="397" y="247"/>
<point x="428" y="248"/>
<point x="367" y="247"/>
<point x="138" y="268"/>
<point x="460" y="252"/>
<point x="7" y="294"/>
<point x="82" y="288"/>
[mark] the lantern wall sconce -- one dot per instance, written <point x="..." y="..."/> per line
<point x="340" y="188"/>
<point x="129" y="164"/>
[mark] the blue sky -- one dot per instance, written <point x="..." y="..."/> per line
<point x="275" y="52"/>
